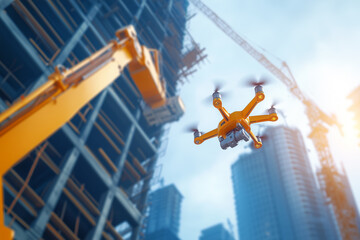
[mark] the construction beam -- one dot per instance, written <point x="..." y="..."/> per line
<point x="114" y="16"/>
<point x="106" y="206"/>
<point x="104" y="177"/>
<point x="4" y="4"/>
<point x="88" y="20"/>
<point x="123" y="5"/>
<point x="130" y="116"/>
<point x="28" y="208"/>
<point x="20" y="232"/>
<point x="69" y="46"/>
<point x="39" y="225"/>
<point x="6" y="87"/>
<point x="143" y="198"/>
<point x="134" y="213"/>
<point x="75" y="140"/>
<point x="24" y="42"/>
<point x="3" y="105"/>
<point x="121" y="161"/>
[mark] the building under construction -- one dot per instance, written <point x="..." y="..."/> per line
<point x="355" y="106"/>
<point x="90" y="179"/>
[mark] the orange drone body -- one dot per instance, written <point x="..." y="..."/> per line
<point x="237" y="125"/>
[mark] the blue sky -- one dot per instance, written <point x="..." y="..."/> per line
<point x="320" y="42"/>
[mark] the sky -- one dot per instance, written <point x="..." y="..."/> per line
<point x="319" y="40"/>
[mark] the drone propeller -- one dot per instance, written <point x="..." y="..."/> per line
<point x="192" y="128"/>
<point x="272" y="108"/>
<point x="263" y="138"/>
<point x="217" y="88"/>
<point x="253" y="81"/>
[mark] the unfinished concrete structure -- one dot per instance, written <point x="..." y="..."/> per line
<point x="93" y="174"/>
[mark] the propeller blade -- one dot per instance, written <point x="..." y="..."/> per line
<point x="273" y="105"/>
<point x="192" y="128"/>
<point x="252" y="81"/>
<point x="218" y="85"/>
<point x="264" y="137"/>
<point x="264" y="80"/>
<point x="208" y="100"/>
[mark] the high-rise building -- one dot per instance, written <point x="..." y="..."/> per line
<point x="276" y="196"/>
<point x="216" y="232"/>
<point x="163" y="221"/>
<point x="93" y="174"/>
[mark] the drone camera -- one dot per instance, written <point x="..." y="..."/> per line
<point x="233" y="137"/>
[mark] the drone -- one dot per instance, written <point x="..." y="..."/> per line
<point x="236" y="126"/>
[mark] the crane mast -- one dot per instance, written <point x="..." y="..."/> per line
<point x="333" y="186"/>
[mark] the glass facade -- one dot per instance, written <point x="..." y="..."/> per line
<point x="163" y="221"/>
<point x="276" y="196"/>
<point x="216" y="232"/>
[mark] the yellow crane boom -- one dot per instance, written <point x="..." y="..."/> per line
<point x="344" y="212"/>
<point x="33" y="118"/>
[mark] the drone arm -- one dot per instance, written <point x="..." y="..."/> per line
<point x="263" y="118"/>
<point x="206" y="136"/>
<point x="257" y="143"/>
<point x="225" y="114"/>
<point x="218" y="104"/>
<point x="252" y="104"/>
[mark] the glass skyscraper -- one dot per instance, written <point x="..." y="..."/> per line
<point x="163" y="222"/>
<point x="216" y="232"/>
<point x="276" y="195"/>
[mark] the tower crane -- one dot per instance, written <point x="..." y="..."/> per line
<point x="333" y="186"/>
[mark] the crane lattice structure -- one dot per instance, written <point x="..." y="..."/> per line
<point x="333" y="187"/>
